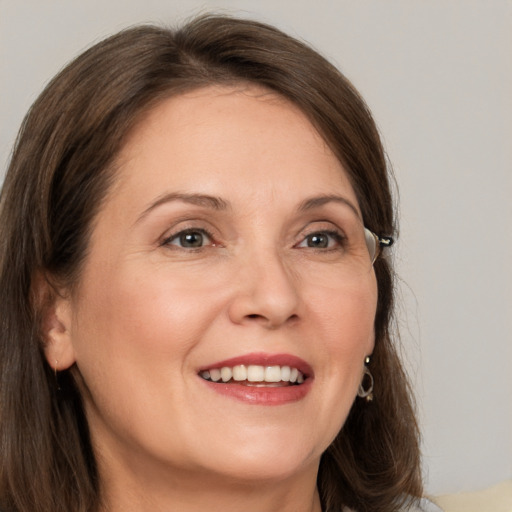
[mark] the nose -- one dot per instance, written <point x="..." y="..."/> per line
<point x="267" y="293"/>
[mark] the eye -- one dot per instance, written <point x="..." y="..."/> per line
<point x="190" y="239"/>
<point x="322" y="240"/>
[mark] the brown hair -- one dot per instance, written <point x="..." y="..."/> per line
<point x="61" y="169"/>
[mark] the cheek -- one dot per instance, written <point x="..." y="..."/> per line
<point x="140" y="323"/>
<point x="132" y="339"/>
<point x="344" y="336"/>
<point x="347" y="316"/>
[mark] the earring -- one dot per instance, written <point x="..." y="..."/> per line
<point x="56" y="377"/>
<point x="368" y="392"/>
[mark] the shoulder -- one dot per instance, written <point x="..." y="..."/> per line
<point x="424" y="505"/>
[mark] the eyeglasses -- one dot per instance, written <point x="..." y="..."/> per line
<point x="376" y="243"/>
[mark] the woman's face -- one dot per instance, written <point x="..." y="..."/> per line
<point x="232" y="241"/>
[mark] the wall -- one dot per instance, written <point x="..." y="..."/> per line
<point x="438" y="77"/>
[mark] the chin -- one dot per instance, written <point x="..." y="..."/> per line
<point x="269" y="457"/>
<point x="276" y="468"/>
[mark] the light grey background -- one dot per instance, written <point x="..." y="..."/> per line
<point x="438" y="77"/>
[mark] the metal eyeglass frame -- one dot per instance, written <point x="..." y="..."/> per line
<point x="376" y="243"/>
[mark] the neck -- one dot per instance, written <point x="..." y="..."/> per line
<point x="164" y="490"/>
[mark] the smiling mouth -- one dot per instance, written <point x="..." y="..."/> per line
<point x="255" y="375"/>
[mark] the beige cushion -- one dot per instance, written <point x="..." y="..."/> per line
<point x="494" y="499"/>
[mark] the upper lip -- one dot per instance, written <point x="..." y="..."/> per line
<point x="264" y="359"/>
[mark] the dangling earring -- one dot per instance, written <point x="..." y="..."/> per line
<point x="56" y="377"/>
<point x="368" y="392"/>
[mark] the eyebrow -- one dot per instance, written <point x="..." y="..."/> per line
<point x="219" y="204"/>
<point x="202" y="200"/>
<point x="317" y="201"/>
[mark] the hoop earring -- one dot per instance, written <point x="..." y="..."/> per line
<point x="367" y="393"/>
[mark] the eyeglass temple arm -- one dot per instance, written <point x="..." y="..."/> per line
<point x="385" y="241"/>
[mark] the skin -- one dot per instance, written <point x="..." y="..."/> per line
<point x="149" y="313"/>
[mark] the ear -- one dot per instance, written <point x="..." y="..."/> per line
<point x="55" y="309"/>
<point x="58" y="346"/>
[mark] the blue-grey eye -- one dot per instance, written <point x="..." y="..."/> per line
<point x="318" y="240"/>
<point x="192" y="239"/>
<point x="321" y="240"/>
<point x="189" y="239"/>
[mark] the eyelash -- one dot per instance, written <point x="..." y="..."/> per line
<point x="176" y="236"/>
<point x="337" y="236"/>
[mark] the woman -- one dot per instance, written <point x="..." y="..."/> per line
<point x="195" y="308"/>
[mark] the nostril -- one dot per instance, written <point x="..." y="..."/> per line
<point x="272" y="322"/>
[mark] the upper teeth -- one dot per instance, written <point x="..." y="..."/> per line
<point x="254" y="373"/>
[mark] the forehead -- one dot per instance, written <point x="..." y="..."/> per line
<point x="229" y="140"/>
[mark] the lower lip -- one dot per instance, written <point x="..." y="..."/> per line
<point x="261" y="395"/>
